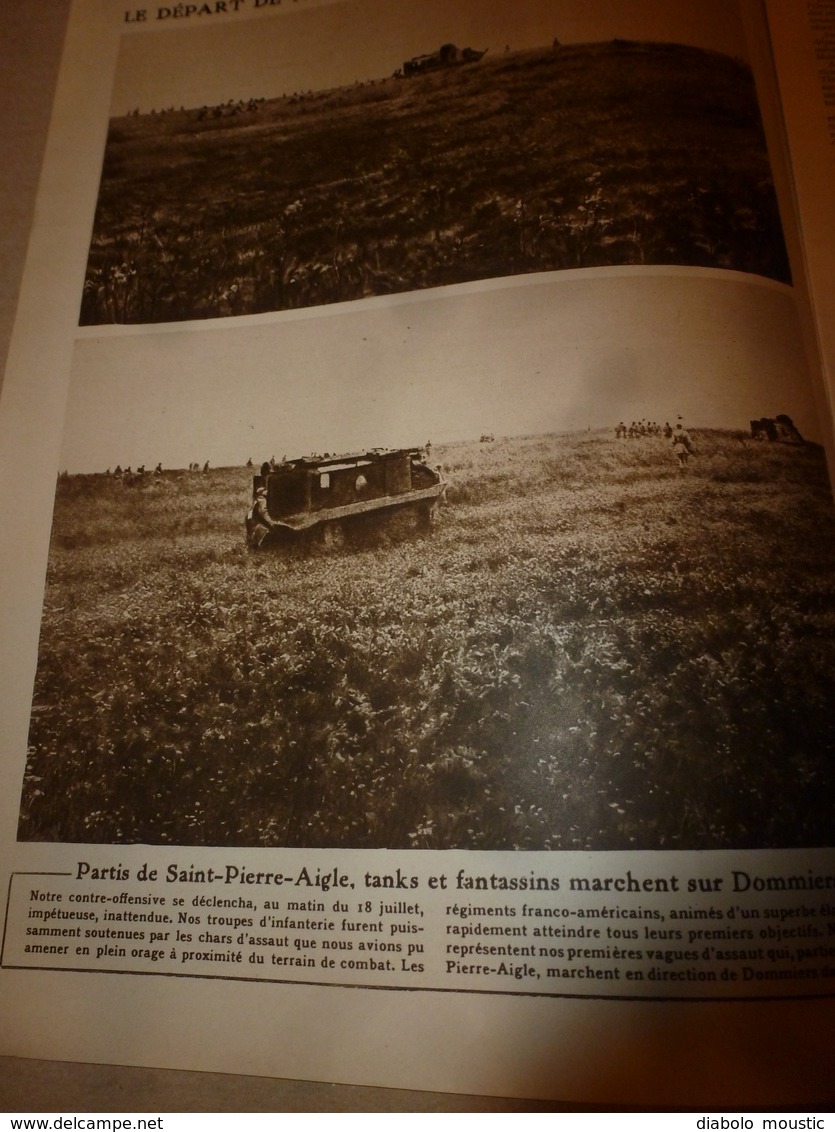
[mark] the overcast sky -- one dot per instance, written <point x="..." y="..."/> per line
<point x="531" y="354"/>
<point x="316" y="44"/>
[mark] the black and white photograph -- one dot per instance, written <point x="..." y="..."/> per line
<point x="303" y="159"/>
<point x="541" y="565"/>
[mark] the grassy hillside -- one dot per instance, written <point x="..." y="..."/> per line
<point x="590" y="650"/>
<point x="592" y="155"/>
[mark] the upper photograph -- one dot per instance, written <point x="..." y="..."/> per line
<point x="288" y="159"/>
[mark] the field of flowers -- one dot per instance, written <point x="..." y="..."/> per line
<point x="591" y="155"/>
<point x="590" y="650"/>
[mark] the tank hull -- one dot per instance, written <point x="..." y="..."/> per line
<point x="311" y="493"/>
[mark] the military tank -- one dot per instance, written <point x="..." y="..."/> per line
<point x="319" y="494"/>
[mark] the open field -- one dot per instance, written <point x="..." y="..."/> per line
<point x="591" y="650"/>
<point x="585" y="156"/>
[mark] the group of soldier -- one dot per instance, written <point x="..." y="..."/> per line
<point x="269" y="465"/>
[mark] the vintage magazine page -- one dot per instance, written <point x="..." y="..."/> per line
<point x="418" y="590"/>
<point x="804" y="57"/>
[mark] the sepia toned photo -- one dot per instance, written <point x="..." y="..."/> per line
<point x="419" y="565"/>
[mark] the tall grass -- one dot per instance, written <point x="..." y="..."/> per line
<point x="590" y="650"/>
